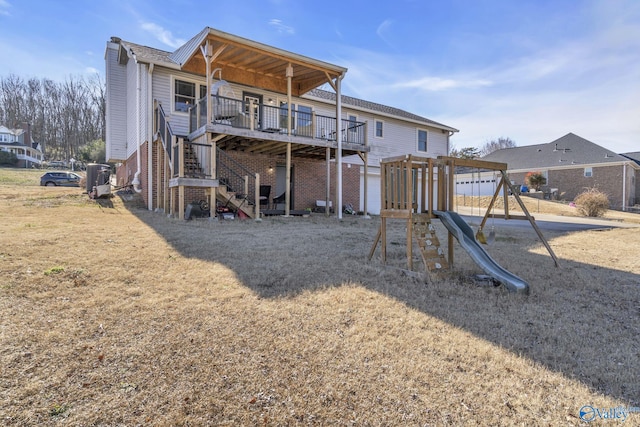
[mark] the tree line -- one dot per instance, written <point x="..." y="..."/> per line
<point x="487" y="148"/>
<point x="66" y="118"/>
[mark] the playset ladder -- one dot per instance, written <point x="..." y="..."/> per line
<point x="430" y="250"/>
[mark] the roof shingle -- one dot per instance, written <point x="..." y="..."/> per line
<point x="565" y="151"/>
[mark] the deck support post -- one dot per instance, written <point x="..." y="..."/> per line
<point x="287" y="184"/>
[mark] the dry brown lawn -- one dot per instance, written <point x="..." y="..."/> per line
<point x="114" y="315"/>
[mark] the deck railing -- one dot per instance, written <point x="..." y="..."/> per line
<point x="273" y="119"/>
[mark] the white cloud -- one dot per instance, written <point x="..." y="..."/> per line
<point x="382" y="30"/>
<point x="164" y="36"/>
<point x="435" y="84"/>
<point x="281" y="27"/>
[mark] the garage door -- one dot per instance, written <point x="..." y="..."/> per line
<point x="373" y="196"/>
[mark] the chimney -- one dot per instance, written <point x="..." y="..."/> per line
<point x="26" y="126"/>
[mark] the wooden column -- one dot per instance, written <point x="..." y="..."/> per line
<point x="287" y="181"/>
<point x="327" y="199"/>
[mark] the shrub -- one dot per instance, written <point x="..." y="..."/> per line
<point x="535" y="180"/>
<point x="8" y="158"/>
<point x="592" y="202"/>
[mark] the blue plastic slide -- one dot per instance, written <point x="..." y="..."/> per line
<point x="464" y="234"/>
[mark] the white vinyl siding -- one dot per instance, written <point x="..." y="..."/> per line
<point x="116" y="107"/>
<point x="132" y="108"/>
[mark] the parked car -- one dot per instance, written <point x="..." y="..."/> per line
<point x="65" y="179"/>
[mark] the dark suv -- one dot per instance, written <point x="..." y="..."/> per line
<point x="65" y="179"/>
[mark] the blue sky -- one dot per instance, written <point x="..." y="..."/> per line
<point x="530" y="70"/>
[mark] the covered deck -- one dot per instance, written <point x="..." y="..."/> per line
<point x="219" y="123"/>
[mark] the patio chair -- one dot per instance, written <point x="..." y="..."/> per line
<point x="265" y="192"/>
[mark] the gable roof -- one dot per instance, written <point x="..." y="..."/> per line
<point x="377" y="108"/>
<point x="635" y="156"/>
<point x="567" y="151"/>
<point x="243" y="61"/>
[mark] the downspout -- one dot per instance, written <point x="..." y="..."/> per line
<point x="150" y="136"/>
<point x="136" y="176"/>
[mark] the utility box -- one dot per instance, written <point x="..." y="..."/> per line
<point x="98" y="180"/>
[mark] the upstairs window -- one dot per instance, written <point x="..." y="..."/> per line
<point x="379" y="129"/>
<point x="422" y="140"/>
<point x="588" y="172"/>
<point x="185" y="95"/>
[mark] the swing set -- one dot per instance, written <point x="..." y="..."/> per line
<point x="420" y="189"/>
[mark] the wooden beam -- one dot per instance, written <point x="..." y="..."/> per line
<point x="482" y="164"/>
<point x="533" y="223"/>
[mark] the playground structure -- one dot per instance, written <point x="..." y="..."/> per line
<point x="419" y="189"/>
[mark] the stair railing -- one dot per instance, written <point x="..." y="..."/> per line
<point x="235" y="177"/>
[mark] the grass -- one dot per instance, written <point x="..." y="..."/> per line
<point x="166" y="322"/>
<point x="21" y="177"/>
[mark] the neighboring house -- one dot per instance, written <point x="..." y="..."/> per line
<point x="224" y="115"/>
<point x="573" y="164"/>
<point x="19" y="142"/>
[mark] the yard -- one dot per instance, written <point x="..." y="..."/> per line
<point x="114" y="315"/>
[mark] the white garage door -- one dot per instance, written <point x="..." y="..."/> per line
<point x="373" y="196"/>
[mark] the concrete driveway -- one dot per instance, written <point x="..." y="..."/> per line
<point x="552" y="223"/>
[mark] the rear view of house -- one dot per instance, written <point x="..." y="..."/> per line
<point x="235" y="122"/>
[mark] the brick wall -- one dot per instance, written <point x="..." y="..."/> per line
<point x="571" y="182"/>
<point x="309" y="178"/>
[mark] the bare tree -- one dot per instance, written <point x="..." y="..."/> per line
<point x="465" y="153"/>
<point x="496" y="144"/>
<point x="64" y="117"/>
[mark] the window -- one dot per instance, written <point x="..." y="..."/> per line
<point x="304" y="115"/>
<point x="301" y="115"/>
<point x="379" y="129"/>
<point x="185" y="95"/>
<point x="588" y="172"/>
<point x="422" y="140"/>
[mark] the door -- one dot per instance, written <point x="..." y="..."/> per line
<point x="256" y="99"/>
<point x="281" y="177"/>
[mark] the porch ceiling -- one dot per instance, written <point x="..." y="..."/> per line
<point x="254" y="64"/>
<point x="279" y="148"/>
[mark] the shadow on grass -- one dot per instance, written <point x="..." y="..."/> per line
<point x="580" y="319"/>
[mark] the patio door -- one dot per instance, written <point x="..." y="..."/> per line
<point x="248" y="98"/>
<point x="281" y="178"/>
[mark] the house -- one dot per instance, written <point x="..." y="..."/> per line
<point x="223" y="117"/>
<point x="20" y="143"/>
<point x="572" y="164"/>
